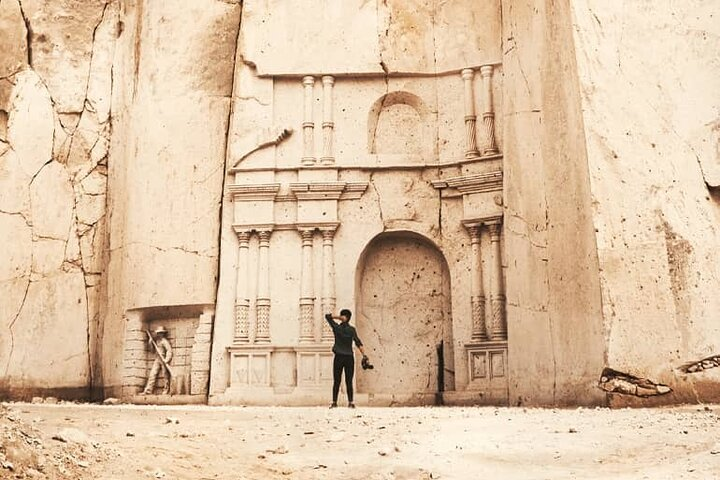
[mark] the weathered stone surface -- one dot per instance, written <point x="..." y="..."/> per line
<point x="48" y="256"/>
<point x="48" y="339"/>
<point x="430" y="36"/>
<point x="16" y="236"/>
<point x="178" y="87"/>
<point x="145" y="106"/>
<point x="14" y="183"/>
<point x="53" y="201"/>
<point x="13" y="43"/>
<point x="357" y="36"/>
<point x="64" y="29"/>
<point x="31" y="122"/>
<point x="99" y="85"/>
<point x="649" y="122"/>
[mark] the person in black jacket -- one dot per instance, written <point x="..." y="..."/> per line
<point x="345" y="335"/>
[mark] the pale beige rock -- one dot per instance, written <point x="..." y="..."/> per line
<point x="649" y="128"/>
<point x="181" y="93"/>
<point x="31" y="122"/>
<point x="17" y="238"/>
<point x="64" y="30"/>
<point x="53" y="201"/>
<point x="55" y="307"/>
<point x="48" y="255"/>
<point x="428" y="36"/>
<point x="14" y="181"/>
<point x="89" y="208"/>
<point x="99" y="85"/>
<point x="13" y="43"/>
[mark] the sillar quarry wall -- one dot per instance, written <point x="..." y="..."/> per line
<point x="114" y="121"/>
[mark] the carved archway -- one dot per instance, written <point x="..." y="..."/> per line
<point x="403" y="316"/>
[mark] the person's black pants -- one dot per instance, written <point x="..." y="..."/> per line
<point x="347" y="363"/>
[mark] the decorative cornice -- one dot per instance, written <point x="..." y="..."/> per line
<point x="253" y="192"/>
<point x="476" y="183"/>
<point x="298" y="191"/>
<point x="318" y="190"/>
<point x="484" y="221"/>
<point x="354" y="190"/>
<point x="254" y="227"/>
<point x="321" y="226"/>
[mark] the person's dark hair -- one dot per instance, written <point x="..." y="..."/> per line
<point x="346" y="313"/>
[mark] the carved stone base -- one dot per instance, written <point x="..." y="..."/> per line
<point x="487" y="369"/>
<point x="250" y="366"/>
<point x="314" y="366"/>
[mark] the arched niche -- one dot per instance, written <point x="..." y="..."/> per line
<point x="399" y="124"/>
<point x="404" y="316"/>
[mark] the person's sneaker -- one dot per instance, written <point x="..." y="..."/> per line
<point x="351" y="405"/>
<point x="333" y="405"/>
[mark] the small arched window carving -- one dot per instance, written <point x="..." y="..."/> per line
<point x="397" y="124"/>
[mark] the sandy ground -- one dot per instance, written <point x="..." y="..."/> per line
<point x="385" y="443"/>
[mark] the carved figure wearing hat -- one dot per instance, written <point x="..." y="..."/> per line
<point x="163" y="354"/>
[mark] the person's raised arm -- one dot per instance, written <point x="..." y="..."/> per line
<point x="329" y="318"/>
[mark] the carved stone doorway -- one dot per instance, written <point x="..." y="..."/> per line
<point x="403" y="293"/>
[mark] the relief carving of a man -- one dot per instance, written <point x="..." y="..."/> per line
<point x="162" y="349"/>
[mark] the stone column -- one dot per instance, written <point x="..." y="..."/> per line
<point x="262" y="302"/>
<point x="498" y="330"/>
<point x="477" y="295"/>
<point x="328" y="280"/>
<point x="328" y="125"/>
<point x="307" y="299"/>
<point x="308" y="158"/>
<point x="490" y="148"/>
<point x="470" y="117"/>
<point x="242" y="302"/>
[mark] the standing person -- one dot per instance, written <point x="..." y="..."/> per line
<point x="345" y="335"/>
<point x="163" y="355"/>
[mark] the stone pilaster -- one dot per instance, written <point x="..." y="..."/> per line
<point x="307" y="298"/>
<point x="262" y="301"/>
<point x="328" y="126"/>
<point x="471" y="150"/>
<point x="490" y="147"/>
<point x="328" y="279"/>
<point x="498" y="329"/>
<point x="477" y="294"/>
<point x="242" y="302"/>
<point x="308" y="158"/>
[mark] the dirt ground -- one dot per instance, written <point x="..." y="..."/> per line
<point x="197" y="442"/>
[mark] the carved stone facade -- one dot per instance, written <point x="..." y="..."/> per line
<point x="314" y="221"/>
<point x="463" y="175"/>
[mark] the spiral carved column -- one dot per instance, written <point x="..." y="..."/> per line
<point x="242" y="302"/>
<point x="490" y="147"/>
<point x="307" y="299"/>
<point x="498" y="329"/>
<point x="328" y="285"/>
<point x="262" y="302"/>
<point x="477" y="298"/>
<point x="471" y="149"/>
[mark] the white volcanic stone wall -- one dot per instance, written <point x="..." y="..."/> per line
<point x="171" y="103"/>
<point x="555" y="319"/>
<point x="651" y="110"/>
<point x="357" y="36"/>
<point x="55" y="86"/>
